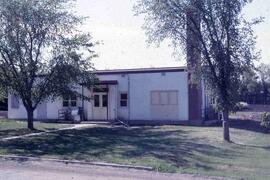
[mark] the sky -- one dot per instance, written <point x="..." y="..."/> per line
<point x="123" y="41"/>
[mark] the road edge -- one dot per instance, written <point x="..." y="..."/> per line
<point x="103" y="164"/>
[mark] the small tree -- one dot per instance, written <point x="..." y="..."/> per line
<point x="42" y="53"/>
<point x="215" y="29"/>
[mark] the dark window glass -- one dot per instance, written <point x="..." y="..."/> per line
<point x="70" y="101"/>
<point x="65" y="103"/>
<point x="96" y="100"/>
<point x="73" y="103"/>
<point x="124" y="96"/>
<point x="104" y="100"/>
<point x="123" y="103"/>
<point x="123" y="99"/>
<point x="73" y="98"/>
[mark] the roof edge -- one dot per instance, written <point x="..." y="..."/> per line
<point x="142" y="70"/>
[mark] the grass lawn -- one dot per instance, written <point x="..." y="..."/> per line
<point x="186" y="149"/>
<point x="10" y="128"/>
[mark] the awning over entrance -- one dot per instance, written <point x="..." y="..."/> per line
<point x="107" y="82"/>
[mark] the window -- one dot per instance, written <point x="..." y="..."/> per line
<point x="212" y="101"/>
<point x="164" y="97"/>
<point x="173" y="98"/>
<point x="96" y="100"/>
<point x="73" y="101"/>
<point x="154" y="98"/>
<point x="70" y="101"/>
<point x="123" y="99"/>
<point x="104" y="100"/>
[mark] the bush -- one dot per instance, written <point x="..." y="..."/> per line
<point x="265" y="121"/>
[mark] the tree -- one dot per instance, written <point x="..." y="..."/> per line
<point x="249" y="84"/>
<point x="43" y="55"/>
<point x="216" y="31"/>
<point x="264" y="74"/>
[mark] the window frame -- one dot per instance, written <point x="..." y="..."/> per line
<point x="123" y="100"/>
<point x="167" y="94"/>
<point x="69" y="100"/>
<point x="96" y="101"/>
<point x="104" y="100"/>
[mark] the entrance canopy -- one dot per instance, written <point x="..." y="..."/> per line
<point x="108" y="82"/>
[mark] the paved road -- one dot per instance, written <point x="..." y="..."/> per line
<point x="31" y="170"/>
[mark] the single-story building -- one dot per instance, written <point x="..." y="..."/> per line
<point x="137" y="96"/>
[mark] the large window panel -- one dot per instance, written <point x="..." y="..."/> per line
<point x="163" y="95"/>
<point x="155" y="98"/>
<point x="173" y="98"/>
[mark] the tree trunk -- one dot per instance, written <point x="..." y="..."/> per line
<point x="30" y="119"/>
<point x="226" y="125"/>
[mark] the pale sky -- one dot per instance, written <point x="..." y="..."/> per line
<point x="124" y="41"/>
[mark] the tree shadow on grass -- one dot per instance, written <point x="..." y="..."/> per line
<point x="243" y="124"/>
<point x="174" y="147"/>
<point x="16" y="132"/>
<point x="249" y="125"/>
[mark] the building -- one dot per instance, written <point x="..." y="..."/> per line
<point x="137" y="96"/>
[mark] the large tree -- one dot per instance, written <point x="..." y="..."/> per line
<point x="217" y="31"/>
<point x="264" y="75"/>
<point x="43" y="55"/>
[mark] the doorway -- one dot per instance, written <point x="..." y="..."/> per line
<point x="100" y="106"/>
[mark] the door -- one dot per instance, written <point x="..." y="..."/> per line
<point x="100" y="108"/>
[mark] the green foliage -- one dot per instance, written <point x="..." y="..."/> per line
<point x="43" y="55"/>
<point x="264" y="76"/>
<point x="165" y="167"/>
<point x="265" y="121"/>
<point x="216" y="29"/>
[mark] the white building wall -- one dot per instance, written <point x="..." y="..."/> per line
<point x="19" y="113"/>
<point x="141" y="86"/>
<point x="137" y="85"/>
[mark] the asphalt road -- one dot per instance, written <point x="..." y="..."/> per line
<point x="32" y="170"/>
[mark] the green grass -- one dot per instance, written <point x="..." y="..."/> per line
<point x="10" y="128"/>
<point x="197" y="150"/>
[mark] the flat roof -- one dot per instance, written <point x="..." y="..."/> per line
<point x="141" y="70"/>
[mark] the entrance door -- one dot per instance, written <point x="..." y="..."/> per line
<point x="100" y="110"/>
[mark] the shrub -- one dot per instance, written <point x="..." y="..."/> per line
<point x="265" y="121"/>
